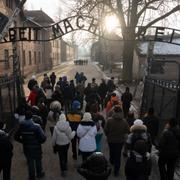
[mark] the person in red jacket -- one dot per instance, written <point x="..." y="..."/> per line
<point x="32" y="99"/>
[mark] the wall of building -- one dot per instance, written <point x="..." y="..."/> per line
<point x="107" y="52"/>
<point x="34" y="57"/>
<point x="56" y="52"/>
<point x="6" y="60"/>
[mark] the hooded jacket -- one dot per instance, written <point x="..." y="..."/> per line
<point x="116" y="128"/>
<point x="138" y="164"/>
<point x="87" y="131"/>
<point x="62" y="133"/>
<point x="31" y="136"/>
<point x="141" y="132"/>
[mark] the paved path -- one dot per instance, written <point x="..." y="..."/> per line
<point x="50" y="160"/>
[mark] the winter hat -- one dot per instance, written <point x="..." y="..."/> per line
<point x="138" y="125"/>
<point x="87" y="117"/>
<point x="33" y="77"/>
<point x="76" y="105"/>
<point x="55" y="105"/>
<point x="138" y="122"/>
<point x="64" y="78"/>
<point x="62" y="117"/>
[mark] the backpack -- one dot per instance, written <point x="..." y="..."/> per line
<point x="139" y="146"/>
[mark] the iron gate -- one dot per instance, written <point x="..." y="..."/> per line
<point x="10" y="93"/>
<point x="162" y="90"/>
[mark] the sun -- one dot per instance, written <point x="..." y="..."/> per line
<point x="111" y="23"/>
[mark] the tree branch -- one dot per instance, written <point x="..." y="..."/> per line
<point x="177" y="8"/>
<point x="121" y="15"/>
<point x="145" y="7"/>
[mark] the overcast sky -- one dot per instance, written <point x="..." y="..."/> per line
<point x="54" y="8"/>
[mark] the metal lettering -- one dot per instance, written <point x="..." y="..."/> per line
<point x="12" y="34"/>
<point x="29" y="34"/>
<point x="159" y="33"/>
<point x="77" y="22"/>
<point x="36" y="33"/>
<point x="57" y="31"/>
<point x="22" y="33"/>
<point x="67" y="25"/>
<point x="93" y="26"/>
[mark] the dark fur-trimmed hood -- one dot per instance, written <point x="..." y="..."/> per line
<point x="135" y="128"/>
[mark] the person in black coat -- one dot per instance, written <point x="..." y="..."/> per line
<point x="169" y="149"/>
<point x="126" y="101"/>
<point x="96" y="167"/>
<point x="152" y="124"/>
<point x="138" y="149"/>
<point x="6" y="154"/>
<point x="32" y="82"/>
<point x="53" y="79"/>
<point x="31" y="136"/>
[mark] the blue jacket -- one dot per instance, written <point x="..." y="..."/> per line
<point x="31" y="136"/>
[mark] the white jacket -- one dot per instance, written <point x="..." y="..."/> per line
<point x="87" y="134"/>
<point x="62" y="133"/>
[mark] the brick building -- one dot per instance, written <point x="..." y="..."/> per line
<point x="7" y="7"/>
<point x="34" y="56"/>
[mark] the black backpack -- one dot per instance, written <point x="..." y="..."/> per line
<point x="139" y="144"/>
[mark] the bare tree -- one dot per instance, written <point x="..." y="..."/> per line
<point x="131" y="13"/>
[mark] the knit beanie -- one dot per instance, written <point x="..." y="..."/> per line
<point x="62" y="117"/>
<point x="76" y="105"/>
<point x="87" y="117"/>
<point x="138" y="122"/>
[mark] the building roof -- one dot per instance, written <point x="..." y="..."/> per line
<point x="38" y="16"/>
<point x="161" y="48"/>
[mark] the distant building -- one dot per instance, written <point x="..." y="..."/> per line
<point x="162" y="52"/>
<point x="7" y="7"/>
<point x="108" y="52"/>
<point x="37" y="56"/>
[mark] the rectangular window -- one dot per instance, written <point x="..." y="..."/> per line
<point x="30" y="60"/>
<point x="39" y="56"/>
<point x="35" y="59"/>
<point x="6" y="58"/>
<point x="24" y="58"/>
<point x="9" y="4"/>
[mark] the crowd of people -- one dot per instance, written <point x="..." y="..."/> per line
<point x="81" y="62"/>
<point x="72" y="112"/>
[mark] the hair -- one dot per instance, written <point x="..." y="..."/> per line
<point x="117" y="109"/>
<point x="113" y="94"/>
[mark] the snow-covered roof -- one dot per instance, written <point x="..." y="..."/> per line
<point x="161" y="48"/>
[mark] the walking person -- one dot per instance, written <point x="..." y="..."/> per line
<point x="6" y="153"/>
<point x="100" y="123"/>
<point x="32" y="82"/>
<point x="126" y="101"/>
<point x="53" y="79"/>
<point x="61" y="138"/>
<point x="152" y="124"/>
<point x="53" y="115"/>
<point x="169" y="149"/>
<point x="74" y="117"/>
<point x="138" y="149"/>
<point x="32" y="136"/>
<point x="86" y="132"/>
<point x="96" y="167"/>
<point x="116" y="129"/>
